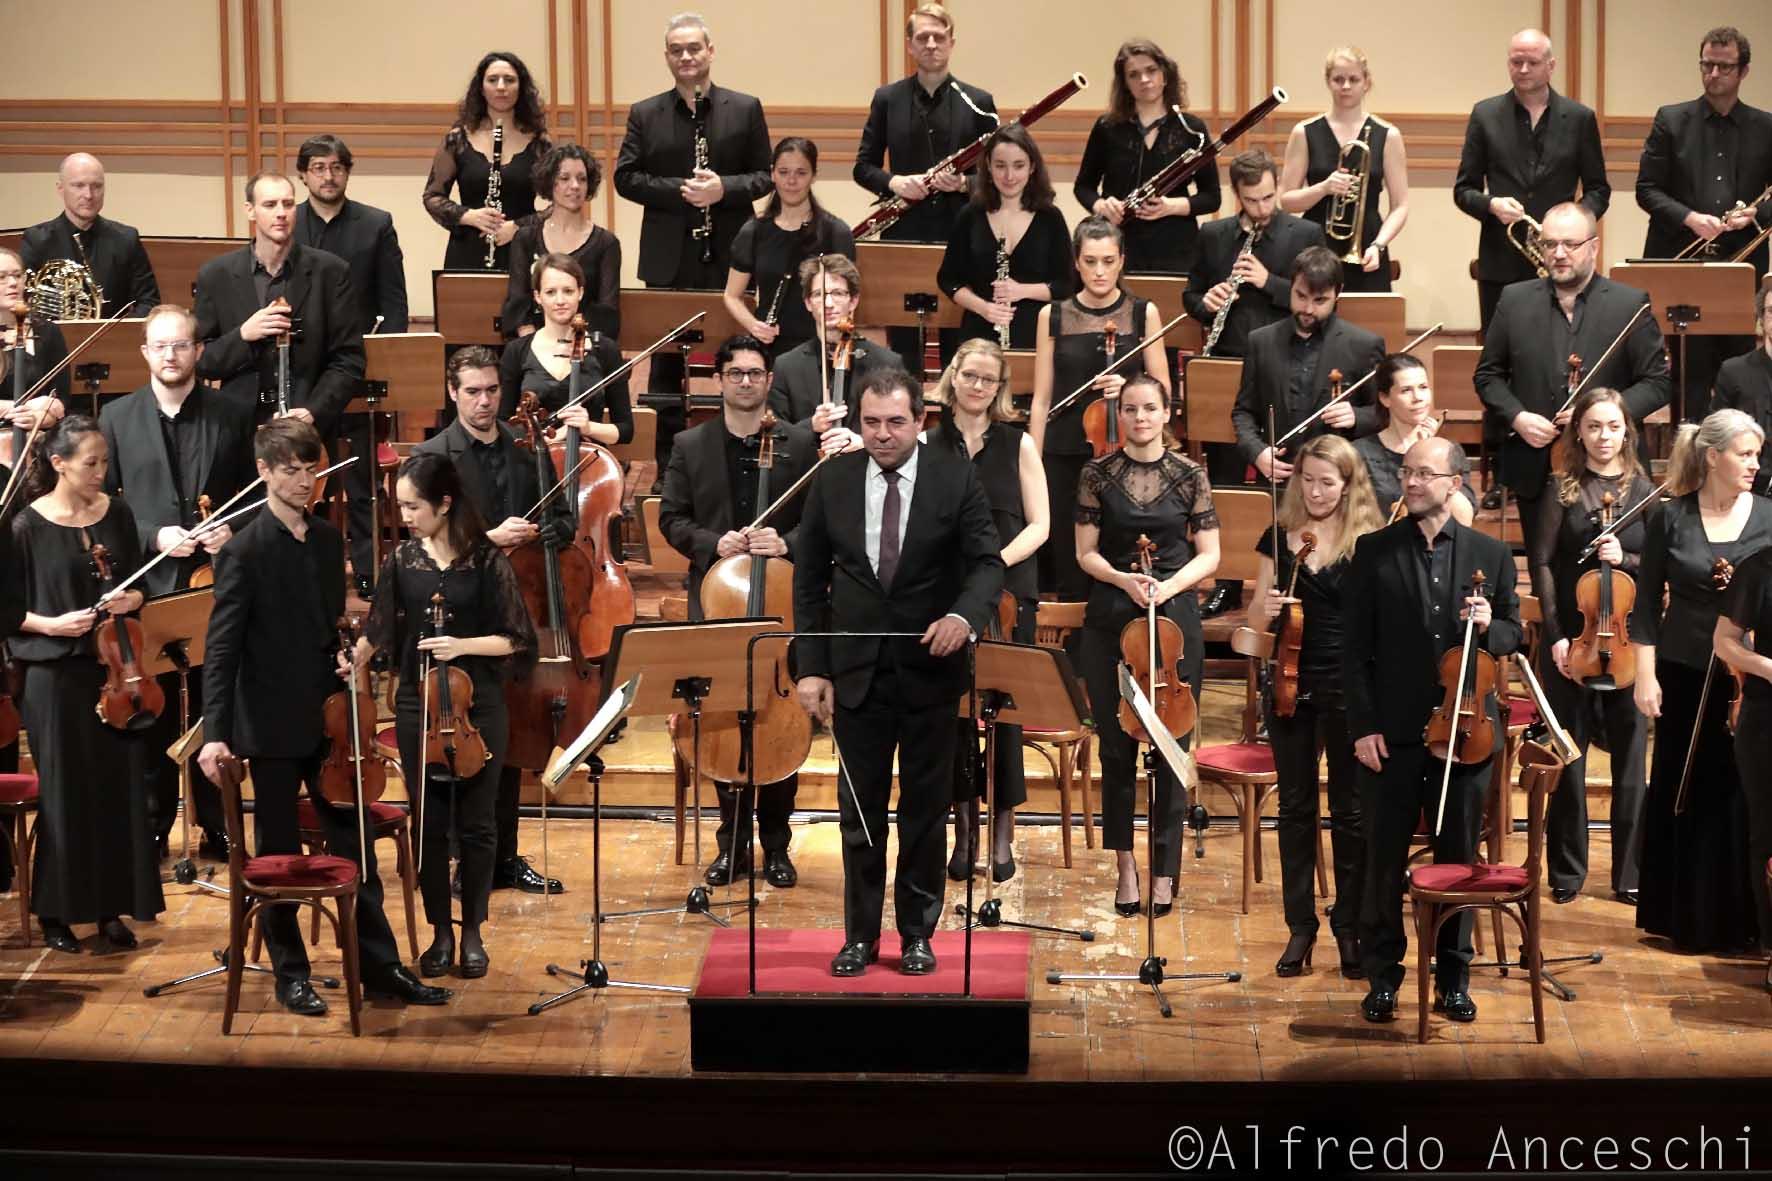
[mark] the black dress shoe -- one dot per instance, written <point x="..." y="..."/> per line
<point x="299" y="997"/>
<point x="1457" y="1005"/>
<point x="1217" y="603"/>
<point x="1349" y="948"/>
<point x="59" y="937"/>
<point x="917" y="958"/>
<point x="474" y="963"/>
<point x="399" y="982"/>
<point x="117" y="934"/>
<point x="721" y="871"/>
<point x="365" y="591"/>
<point x="1492" y="499"/>
<point x="438" y="958"/>
<point x="1002" y="871"/>
<point x="1628" y="897"/>
<point x="1297" y="956"/>
<point x="779" y="871"/>
<point x="1564" y="894"/>
<point x="1159" y="909"/>
<point x="214" y="846"/>
<point x="1380" y="1005"/>
<point x="518" y="874"/>
<point x="854" y="959"/>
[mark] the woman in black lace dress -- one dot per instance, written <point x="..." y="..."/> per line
<point x="503" y="96"/>
<point x="487" y="628"/>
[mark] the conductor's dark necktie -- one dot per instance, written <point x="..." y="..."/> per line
<point x="889" y="531"/>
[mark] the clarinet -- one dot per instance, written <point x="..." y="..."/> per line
<point x="494" y="190"/>
<point x="775" y="301"/>
<point x="1002" y="276"/>
<point x="704" y="231"/>
<point x="1224" y="313"/>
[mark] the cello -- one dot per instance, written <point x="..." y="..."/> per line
<point x="1603" y="657"/>
<point x="130" y="700"/>
<point x="1151" y="650"/>
<point x="1460" y="730"/>
<point x="595" y="491"/>
<point x="1101" y="418"/>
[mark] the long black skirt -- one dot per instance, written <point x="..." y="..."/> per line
<point x="95" y="855"/>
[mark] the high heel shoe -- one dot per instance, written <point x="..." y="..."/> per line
<point x="1159" y="909"/>
<point x="1297" y="956"/>
<point x="1128" y="909"/>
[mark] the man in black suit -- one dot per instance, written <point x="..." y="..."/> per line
<point x="914" y="124"/>
<point x="1525" y="151"/>
<point x="1522" y="376"/>
<point x="501" y="479"/>
<point x="833" y="288"/>
<point x="273" y="660"/>
<point x="170" y="442"/>
<point x="364" y="237"/>
<point x="1405" y="598"/>
<point x="899" y="539"/>
<point x="238" y="322"/>
<point x="1745" y="383"/>
<point x="710" y="499"/>
<point x="1705" y="171"/>
<point x="112" y="251"/>
<point x="1288" y="365"/>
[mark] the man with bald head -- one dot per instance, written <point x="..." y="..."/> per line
<point x="1405" y="598"/>
<point x="110" y="249"/>
<point x="1539" y="323"/>
<point x="1525" y="151"/>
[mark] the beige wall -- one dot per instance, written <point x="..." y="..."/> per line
<point x="390" y="85"/>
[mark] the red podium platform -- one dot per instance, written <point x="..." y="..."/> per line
<point x="805" y="1019"/>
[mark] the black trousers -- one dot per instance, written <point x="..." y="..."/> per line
<point x="1393" y="802"/>
<point x="1582" y="711"/>
<point x="1704" y="356"/>
<point x="1056" y="561"/>
<point x="924" y="742"/>
<point x="455" y="813"/>
<point x="1488" y="296"/>
<point x="276" y="786"/>
<point x="510" y="790"/>
<point x="774" y="803"/>
<point x="1753" y="753"/>
<point x="1296" y="741"/>
<point x="161" y="772"/>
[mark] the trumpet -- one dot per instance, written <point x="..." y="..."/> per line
<point x="1347" y="211"/>
<point x="1529" y="243"/>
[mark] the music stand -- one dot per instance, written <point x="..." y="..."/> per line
<point x="692" y="668"/>
<point x="1698" y="298"/>
<point x="1018" y="685"/>
<point x="898" y="290"/>
<point x="468" y="304"/>
<point x="401" y="373"/>
<point x="173" y="630"/>
<point x="109" y="366"/>
<point x="1150" y="972"/>
<point x="177" y="260"/>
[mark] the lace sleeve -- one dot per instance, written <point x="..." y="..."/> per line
<point x="1089" y="487"/>
<point x="1195" y="490"/>
<point x="443" y="211"/>
<point x="511" y="617"/>
<point x="383" y="626"/>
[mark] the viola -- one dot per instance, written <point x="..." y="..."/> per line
<point x="596" y="491"/>
<point x="350" y="732"/>
<point x="450" y="740"/>
<point x="203" y="575"/>
<point x="131" y="700"/>
<point x="842" y="358"/>
<point x="1288" y="630"/>
<point x="1101" y="418"/>
<point x="1603" y="657"/>
<point x="1460" y="729"/>
<point x="1151" y="649"/>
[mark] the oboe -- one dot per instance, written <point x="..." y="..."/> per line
<point x="494" y="190"/>
<point x="1224" y="313"/>
<point x="704" y="231"/>
<point x="775" y="301"/>
<point x="1003" y="277"/>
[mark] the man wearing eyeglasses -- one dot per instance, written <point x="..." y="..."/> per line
<point x="832" y="287"/>
<point x="710" y="499"/>
<point x="1522" y="376"/>
<point x="171" y="442"/>
<point x="1705" y="170"/>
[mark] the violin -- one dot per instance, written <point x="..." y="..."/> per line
<point x="203" y="575"/>
<point x="350" y="731"/>
<point x="842" y="358"/>
<point x="131" y="700"/>
<point x="1151" y="650"/>
<point x="1101" y="418"/>
<point x="1603" y="657"/>
<point x="450" y="740"/>
<point x="595" y="492"/>
<point x="1460" y="729"/>
<point x="1722" y="573"/>
<point x="1288" y="633"/>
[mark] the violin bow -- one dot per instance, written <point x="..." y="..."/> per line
<point x="1594" y="369"/>
<point x="1464" y="662"/>
<point x="1065" y="402"/>
<point x="347" y="634"/>
<point x="1621" y="521"/>
<point x="553" y="493"/>
<point x="1721" y="574"/>
<point x="1349" y="391"/>
<point x="660" y="343"/>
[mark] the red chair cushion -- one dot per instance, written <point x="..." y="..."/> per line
<point x="1489" y="879"/>
<point x="303" y="870"/>
<point x="307" y="816"/>
<point x="388" y="738"/>
<point x="1239" y="758"/>
<point x="18" y="789"/>
<point x="1521" y="712"/>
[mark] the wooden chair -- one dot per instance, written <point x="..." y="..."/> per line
<point x="1382" y="312"/>
<point x="1210" y="393"/>
<point x="659" y="554"/>
<point x="1440" y="892"/>
<point x="1069" y="749"/>
<point x="284" y="879"/>
<point x="18" y="800"/>
<point x="386" y="822"/>
<point x="642" y="448"/>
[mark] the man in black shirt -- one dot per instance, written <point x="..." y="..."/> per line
<point x="710" y="499"/>
<point x="1405" y="597"/>
<point x="833" y="290"/>
<point x="273" y="660"/>
<point x="1745" y="383"/>
<point x="170" y="442"/>
<point x="112" y="251"/>
<point x="1705" y="171"/>
<point x="364" y="237"/>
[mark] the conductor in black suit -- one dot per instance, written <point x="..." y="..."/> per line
<point x="1525" y="151"/>
<point x="897" y="539"/>
<point x="1701" y="160"/>
<point x="832" y="286"/>
<point x="1522" y="376"/>
<point x="710" y="499"/>
<point x="238" y="327"/>
<point x="170" y="442"/>
<point x="112" y="251"/>
<point x="1744" y="383"/>
<point x="1404" y="600"/>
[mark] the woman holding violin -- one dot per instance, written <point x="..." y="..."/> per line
<point x="1076" y="339"/>
<point x="1141" y="490"/>
<point x="468" y="638"/>
<point x="1587" y="664"/>
<point x="541" y="362"/>
<point x="1406" y="403"/>
<point x="1745" y="618"/>
<point x="95" y="856"/>
<point x="1326" y="508"/>
<point x="977" y="420"/>
<point x="30" y="346"/>
<point x="1693" y="887"/>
